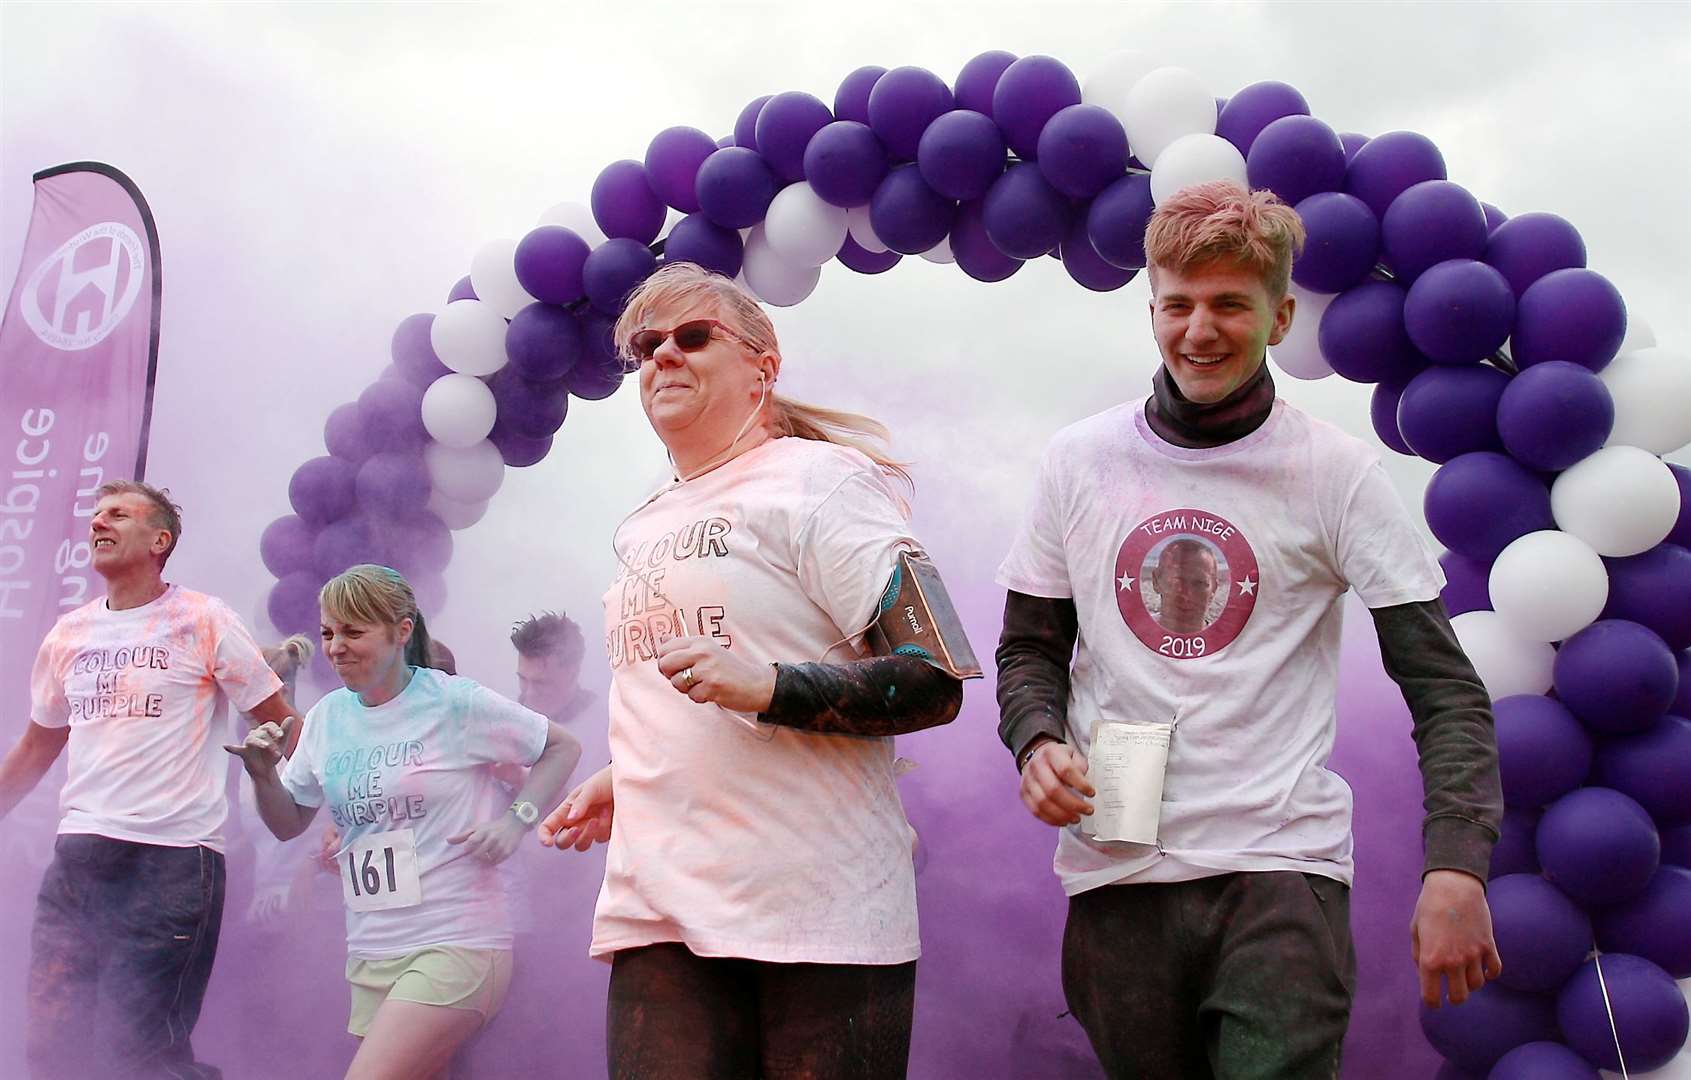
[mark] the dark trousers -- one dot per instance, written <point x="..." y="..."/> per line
<point x="672" y="1014"/>
<point x="121" y="952"/>
<point x="1241" y="976"/>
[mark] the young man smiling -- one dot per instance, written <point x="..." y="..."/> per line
<point x="1208" y="935"/>
<point x="127" y="920"/>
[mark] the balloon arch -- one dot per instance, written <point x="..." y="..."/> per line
<point x="1492" y="349"/>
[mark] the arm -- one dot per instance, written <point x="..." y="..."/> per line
<point x="878" y="695"/>
<point x="277" y="709"/>
<point x="28" y="761"/>
<point x="1033" y="703"/>
<point x="494" y="841"/>
<point x="259" y="754"/>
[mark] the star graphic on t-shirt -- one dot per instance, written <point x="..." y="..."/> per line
<point x="1126" y="583"/>
<point x="1247" y="587"/>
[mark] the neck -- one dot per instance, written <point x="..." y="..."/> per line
<point x="1198" y="426"/>
<point x="692" y="462"/>
<point x="390" y="686"/>
<point x="134" y="588"/>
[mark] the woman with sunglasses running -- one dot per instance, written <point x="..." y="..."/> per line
<point x="404" y="758"/>
<point x="759" y="904"/>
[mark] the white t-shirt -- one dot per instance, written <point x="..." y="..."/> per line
<point x="418" y="762"/>
<point x="1208" y="586"/>
<point x="145" y="692"/>
<point x="771" y="844"/>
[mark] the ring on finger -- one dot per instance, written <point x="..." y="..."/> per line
<point x="688" y="681"/>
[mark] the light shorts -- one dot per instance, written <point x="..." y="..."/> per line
<point x="446" y="975"/>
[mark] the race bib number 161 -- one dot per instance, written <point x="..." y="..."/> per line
<point x="379" y="872"/>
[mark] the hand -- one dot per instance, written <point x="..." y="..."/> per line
<point x="583" y="818"/>
<point x="328" y="851"/>
<point x="1450" y="935"/>
<point x="263" y="746"/>
<point x="494" y="841"/>
<point x="1050" y="782"/>
<point x="717" y="675"/>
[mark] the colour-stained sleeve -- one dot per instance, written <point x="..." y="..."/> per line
<point x="1380" y="553"/>
<point x="498" y="731"/>
<point x="236" y="663"/>
<point x="1037" y="564"/>
<point x="876" y="695"/>
<point x="302" y="776"/>
<point x="1034" y="652"/>
<point x="48" y="704"/>
<point x="846" y="547"/>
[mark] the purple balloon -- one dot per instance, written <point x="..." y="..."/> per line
<point x="1554" y="414"/>
<point x="1618" y="677"/>
<point x="1676" y="845"/>
<point x="974" y="250"/>
<point x="1650" y="1017"/>
<point x="673" y="158"/>
<point x="285" y="545"/>
<point x="599" y="371"/>
<point x="697" y="239"/>
<point x="1382" y="413"/>
<point x="1543" y="752"/>
<point x="845" y="163"/>
<point x="1515" y="851"/>
<point x="1681" y="533"/>
<point x="1341" y="244"/>
<point x="1682" y="700"/>
<point x="347" y="436"/>
<point x="1572" y="315"/>
<point x="1117" y="220"/>
<point x="1253" y="109"/>
<point x="1086" y="266"/>
<point x="1526" y="248"/>
<point x="1542" y="1061"/>
<point x="961" y="154"/>
<point x="393" y="414"/>
<point x="784" y="129"/>
<point x="1653" y="767"/>
<point x="1459" y="312"/>
<point x="1467" y="584"/>
<point x="392" y="482"/>
<point x="462" y="290"/>
<point x="549" y="261"/>
<point x="745" y="125"/>
<point x="1478" y="504"/>
<point x="1082" y="150"/>
<point x="613" y="270"/>
<point x="1654" y="923"/>
<point x="909" y="216"/>
<point x="413" y="354"/>
<point x="624" y="204"/>
<point x="1362" y="335"/>
<point x="1352" y="142"/>
<point x="851" y="100"/>
<point x="1493" y="217"/>
<point x="1598" y="846"/>
<point x="902" y="105"/>
<point x="532" y="410"/>
<point x="735" y="187"/>
<point x="518" y="451"/>
<point x="1654" y="590"/>
<point x="1541" y="935"/>
<point x="1388" y="165"/>
<point x="321" y="490"/>
<point x="1029" y="93"/>
<point x="1429" y="223"/>
<point x="1296" y="157"/>
<point x="1492" y="1022"/>
<point x="979" y="78"/>
<point x="346" y="543"/>
<point x="1446" y="412"/>
<point x="1025" y="216"/>
<point x="543" y="342"/>
<point x="292" y="603"/>
<point x="419" y="544"/>
<point x="864" y="261"/>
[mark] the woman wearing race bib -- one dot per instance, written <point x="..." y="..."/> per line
<point x="759" y="904"/>
<point x="402" y="757"/>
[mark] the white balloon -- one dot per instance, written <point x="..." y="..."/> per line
<point x="1108" y="85"/>
<point x="1195" y="159"/>
<point x="940" y="252"/>
<point x="804" y="230"/>
<point x="458" y="410"/>
<point x="857" y="223"/>
<point x="1639" y="335"/>
<point x="1548" y="585"/>
<point x="573" y="215"/>
<point x="774" y="280"/>
<point x="1621" y="500"/>
<point x="455" y="513"/>
<point x="1507" y="663"/>
<point x="469" y="337"/>
<point x="1299" y="353"/>
<point x="1651" y="389"/>
<point x="493" y="276"/>
<point x="1163" y="106"/>
<point x="465" y="473"/>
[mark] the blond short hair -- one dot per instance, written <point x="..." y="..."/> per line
<point x="1221" y="221"/>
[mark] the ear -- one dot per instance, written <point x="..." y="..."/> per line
<point x="161" y="542"/>
<point x="404" y="629"/>
<point x="1283" y="314"/>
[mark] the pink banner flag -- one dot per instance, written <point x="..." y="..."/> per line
<point x="78" y="351"/>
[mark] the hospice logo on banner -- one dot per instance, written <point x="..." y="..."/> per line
<point x="78" y="354"/>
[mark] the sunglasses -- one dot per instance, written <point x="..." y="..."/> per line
<point x="690" y="336"/>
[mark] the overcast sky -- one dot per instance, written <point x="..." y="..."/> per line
<point x="320" y="171"/>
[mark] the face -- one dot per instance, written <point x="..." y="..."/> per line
<point x="365" y="655"/>
<point x="702" y="398"/>
<point x="1213" y="324"/>
<point x="1185" y="579"/>
<point x="546" y="683"/>
<point x="122" y="536"/>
